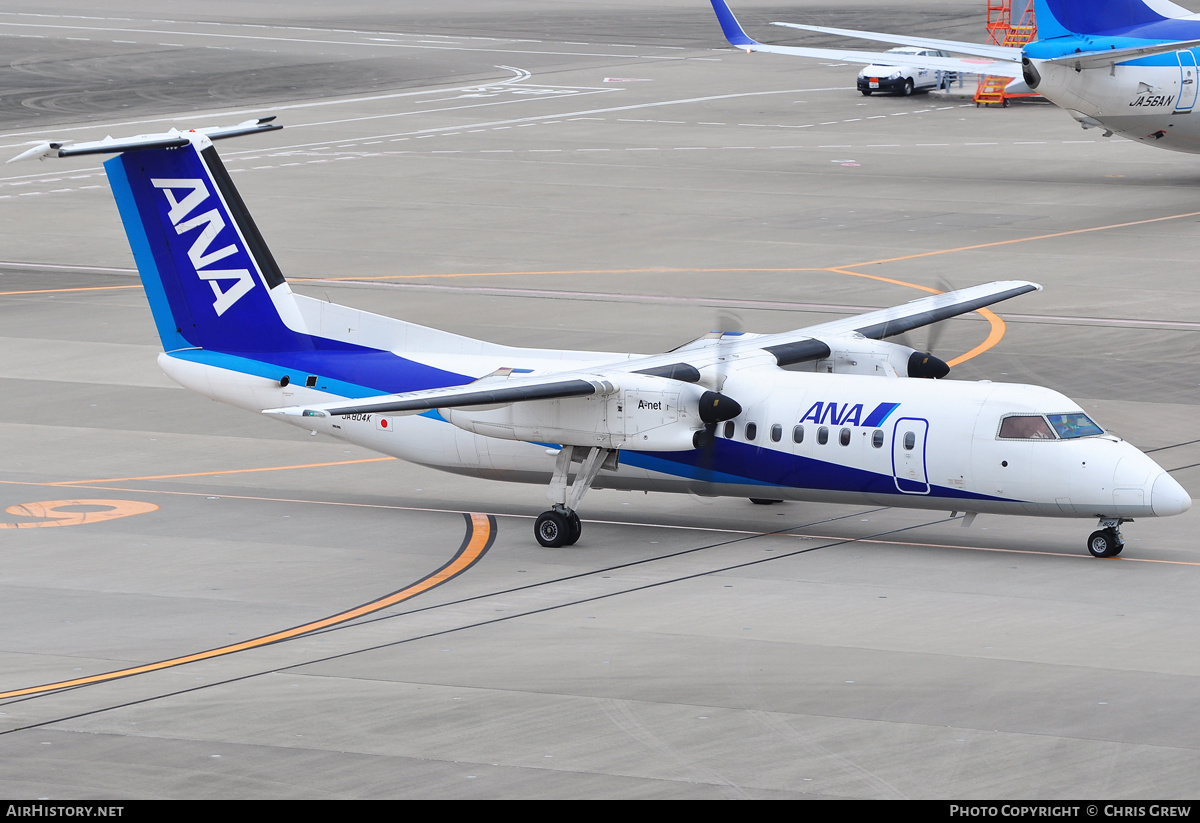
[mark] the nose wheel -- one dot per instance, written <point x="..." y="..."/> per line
<point x="1106" y="542"/>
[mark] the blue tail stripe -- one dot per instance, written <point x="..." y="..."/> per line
<point x="143" y="256"/>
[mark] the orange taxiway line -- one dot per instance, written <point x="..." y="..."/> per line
<point x="207" y="474"/>
<point x="77" y="288"/>
<point x="479" y="537"/>
<point x="670" y="270"/>
<point x="1029" y="239"/>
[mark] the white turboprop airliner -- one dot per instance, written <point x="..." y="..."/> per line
<point x="1126" y="66"/>
<point x="850" y="421"/>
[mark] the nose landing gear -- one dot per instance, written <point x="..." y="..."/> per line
<point x="1107" y="541"/>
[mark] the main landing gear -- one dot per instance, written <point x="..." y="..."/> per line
<point x="1107" y="541"/>
<point x="560" y="526"/>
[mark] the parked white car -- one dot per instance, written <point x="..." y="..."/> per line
<point x="901" y="78"/>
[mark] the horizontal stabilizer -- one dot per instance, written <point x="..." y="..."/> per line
<point x="166" y="140"/>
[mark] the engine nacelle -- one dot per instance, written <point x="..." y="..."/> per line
<point x="645" y="413"/>
<point x="856" y="354"/>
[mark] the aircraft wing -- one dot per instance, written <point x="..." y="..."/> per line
<point x="484" y="392"/>
<point x="166" y="140"/>
<point x="798" y="346"/>
<point x="980" y="65"/>
<point x="978" y="49"/>
<point x="788" y="348"/>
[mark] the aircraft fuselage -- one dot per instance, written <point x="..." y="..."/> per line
<point x="801" y="436"/>
<point x="1151" y="100"/>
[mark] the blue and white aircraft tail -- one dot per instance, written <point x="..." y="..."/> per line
<point x="1128" y="67"/>
<point x="217" y="294"/>
<point x="832" y="412"/>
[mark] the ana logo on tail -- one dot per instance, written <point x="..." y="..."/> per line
<point x="213" y="223"/>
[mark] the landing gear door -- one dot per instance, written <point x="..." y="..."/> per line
<point x="909" y="439"/>
<point x="1187" y="80"/>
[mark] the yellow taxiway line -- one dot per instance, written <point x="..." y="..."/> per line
<point x="479" y="537"/>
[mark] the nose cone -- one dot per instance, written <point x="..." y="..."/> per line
<point x="1168" y="497"/>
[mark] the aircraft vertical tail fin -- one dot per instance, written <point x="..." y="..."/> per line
<point x="210" y="278"/>
<point x="1057" y="18"/>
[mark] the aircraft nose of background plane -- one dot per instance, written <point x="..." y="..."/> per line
<point x="1168" y="497"/>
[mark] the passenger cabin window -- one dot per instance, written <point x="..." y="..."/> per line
<point x="751" y="431"/>
<point x="877" y="438"/>
<point x="776" y="433"/>
<point x="910" y="441"/>
<point x="823" y="435"/>
<point x="728" y="429"/>
<point x="798" y="434"/>
<point x="1078" y="424"/>
<point x="844" y="437"/>
<point x="1026" y="427"/>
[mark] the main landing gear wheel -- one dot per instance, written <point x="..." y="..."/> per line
<point x="551" y="529"/>
<point x="554" y="529"/>
<point x="1105" y="543"/>
<point x="560" y="526"/>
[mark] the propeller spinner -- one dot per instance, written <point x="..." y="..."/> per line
<point x="715" y="408"/>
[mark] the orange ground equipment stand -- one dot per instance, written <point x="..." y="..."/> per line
<point x="1003" y="31"/>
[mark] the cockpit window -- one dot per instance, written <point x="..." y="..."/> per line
<point x="1025" y="427"/>
<point x="1077" y="424"/>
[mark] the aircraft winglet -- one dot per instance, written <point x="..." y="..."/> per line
<point x="734" y="32"/>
